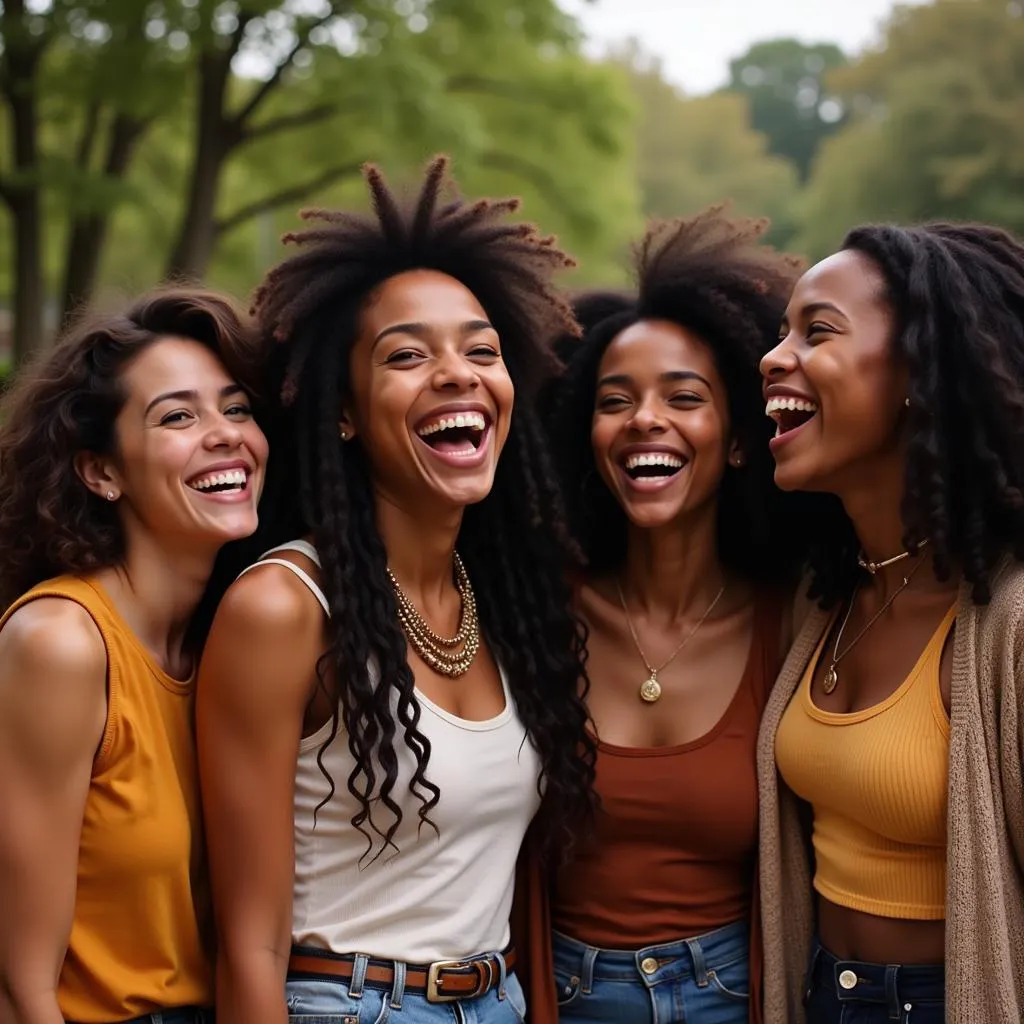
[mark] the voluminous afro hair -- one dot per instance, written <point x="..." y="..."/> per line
<point x="957" y="291"/>
<point x="515" y="543"/>
<point x="712" y="275"/>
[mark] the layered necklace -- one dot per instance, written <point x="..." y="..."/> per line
<point x="831" y="680"/>
<point x="448" y="656"/>
<point x="650" y="688"/>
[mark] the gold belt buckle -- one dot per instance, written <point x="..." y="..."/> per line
<point x="435" y="981"/>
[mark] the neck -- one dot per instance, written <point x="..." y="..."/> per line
<point x="674" y="570"/>
<point x="420" y="551"/>
<point x="156" y="591"/>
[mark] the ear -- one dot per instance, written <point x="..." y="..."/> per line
<point x="346" y="428"/>
<point x="737" y="458"/>
<point x="99" y="475"/>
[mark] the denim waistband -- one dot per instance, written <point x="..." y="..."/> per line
<point x="177" y="1015"/>
<point x="675" y="961"/>
<point x="891" y="985"/>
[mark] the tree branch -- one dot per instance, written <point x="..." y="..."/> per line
<point x="87" y="142"/>
<point x="541" y="179"/>
<point x="480" y="85"/>
<point x="304" y="118"/>
<point x="292" y="194"/>
<point x="267" y="87"/>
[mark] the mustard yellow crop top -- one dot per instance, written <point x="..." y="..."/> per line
<point x="877" y="780"/>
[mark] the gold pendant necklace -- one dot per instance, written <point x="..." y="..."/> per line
<point x="650" y="688"/>
<point x="831" y="680"/>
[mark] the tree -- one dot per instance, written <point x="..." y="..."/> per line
<point x="784" y="82"/>
<point x="939" y="130"/>
<point x="693" y="152"/>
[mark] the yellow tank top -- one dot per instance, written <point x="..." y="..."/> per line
<point x="141" y="906"/>
<point x="877" y="780"/>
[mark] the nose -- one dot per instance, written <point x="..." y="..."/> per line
<point x="780" y="361"/>
<point x="647" y="416"/>
<point x="455" y="372"/>
<point x="224" y="433"/>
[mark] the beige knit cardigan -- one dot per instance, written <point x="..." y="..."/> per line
<point x="985" y="831"/>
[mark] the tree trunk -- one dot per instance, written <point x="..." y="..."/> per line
<point x="216" y="136"/>
<point x="88" y="232"/>
<point x="21" y="193"/>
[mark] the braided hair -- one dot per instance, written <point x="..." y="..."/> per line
<point x="957" y="292"/>
<point x="709" y="274"/>
<point x="515" y="543"/>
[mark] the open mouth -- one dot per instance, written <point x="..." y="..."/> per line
<point x="658" y="465"/>
<point x="457" y="436"/>
<point x="228" y="481"/>
<point x="790" y="413"/>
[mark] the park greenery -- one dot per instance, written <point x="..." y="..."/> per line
<point x="142" y="140"/>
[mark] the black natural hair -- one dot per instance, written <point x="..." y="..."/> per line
<point x="957" y="293"/>
<point x="515" y="543"/>
<point x="711" y="275"/>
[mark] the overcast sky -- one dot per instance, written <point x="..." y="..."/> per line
<point x="696" y="39"/>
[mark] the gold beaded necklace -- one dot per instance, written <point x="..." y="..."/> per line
<point x="448" y="656"/>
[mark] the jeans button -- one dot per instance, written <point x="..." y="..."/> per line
<point x="648" y="965"/>
<point x="848" y="980"/>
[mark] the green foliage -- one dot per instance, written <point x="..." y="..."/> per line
<point x="939" y="131"/>
<point x="784" y="82"/>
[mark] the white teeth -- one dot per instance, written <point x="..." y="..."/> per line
<point x="655" y="459"/>
<point x="472" y="420"/>
<point x="789" y="404"/>
<point x="229" y="478"/>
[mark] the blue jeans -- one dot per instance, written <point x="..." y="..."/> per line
<point x="851" y="992"/>
<point x="704" y="980"/>
<point x="340" y="1002"/>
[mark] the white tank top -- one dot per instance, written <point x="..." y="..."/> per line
<point x="441" y="896"/>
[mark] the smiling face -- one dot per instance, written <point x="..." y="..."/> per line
<point x="189" y="458"/>
<point x="431" y="396"/>
<point x="660" y="429"/>
<point x="834" y="384"/>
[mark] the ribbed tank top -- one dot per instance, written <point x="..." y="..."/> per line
<point x="877" y="780"/>
<point x="141" y="903"/>
<point x="675" y="839"/>
<point x="443" y="895"/>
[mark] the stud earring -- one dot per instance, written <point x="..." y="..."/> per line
<point x="736" y="461"/>
<point x="906" y="402"/>
<point x="111" y="495"/>
<point x="343" y="433"/>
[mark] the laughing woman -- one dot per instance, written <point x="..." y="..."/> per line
<point x="658" y="430"/>
<point x="128" y="458"/>
<point x="898" y="722"/>
<point x="384" y="699"/>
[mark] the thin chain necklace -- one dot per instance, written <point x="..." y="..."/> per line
<point x="449" y="656"/>
<point x="650" y="688"/>
<point x="876" y="567"/>
<point x="831" y="680"/>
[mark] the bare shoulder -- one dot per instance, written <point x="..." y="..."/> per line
<point x="269" y="600"/>
<point x="54" y="638"/>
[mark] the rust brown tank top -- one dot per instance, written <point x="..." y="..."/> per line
<point x="673" y="851"/>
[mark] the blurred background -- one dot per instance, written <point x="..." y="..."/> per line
<point x="141" y="140"/>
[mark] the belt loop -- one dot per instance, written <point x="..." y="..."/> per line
<point x="398" y="985"/>
<point x="700" y="967"/>
<point x="587" y="970"/>
<point x="502" y="974"/>
<point x="360" y="961"/>
<point x="892" y="992"/>
<point x="812" y="964"/>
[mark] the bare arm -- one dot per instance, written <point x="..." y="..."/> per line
<point x="53" y="709"/>
<point x="255" y="680"/>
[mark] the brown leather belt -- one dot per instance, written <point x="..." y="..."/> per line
<point x="443" y="981"/>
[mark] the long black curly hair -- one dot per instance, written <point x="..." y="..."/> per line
<point x="515" y="543"/>
<point x="957" y="292"/>
<point x="709" y="274"/>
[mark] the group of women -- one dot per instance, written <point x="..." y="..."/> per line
<point x="437" y="645"/>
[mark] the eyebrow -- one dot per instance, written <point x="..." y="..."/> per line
<point x="821" y="307"/>
<point x="192" y="395"/>
<point x="673" y="376"/>
<point x="419" y="329"/>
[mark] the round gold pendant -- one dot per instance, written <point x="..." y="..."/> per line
<point x="650" y="691"/>
<point x="830" y="681"/>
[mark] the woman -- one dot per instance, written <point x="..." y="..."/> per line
<point x="898" y="721"/>
<point x="659" y="435"/>
<point x="385" y="698"/>
<point x="128" y="457"/>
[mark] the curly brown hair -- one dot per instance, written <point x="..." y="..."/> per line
<point x="65" y="402"/>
